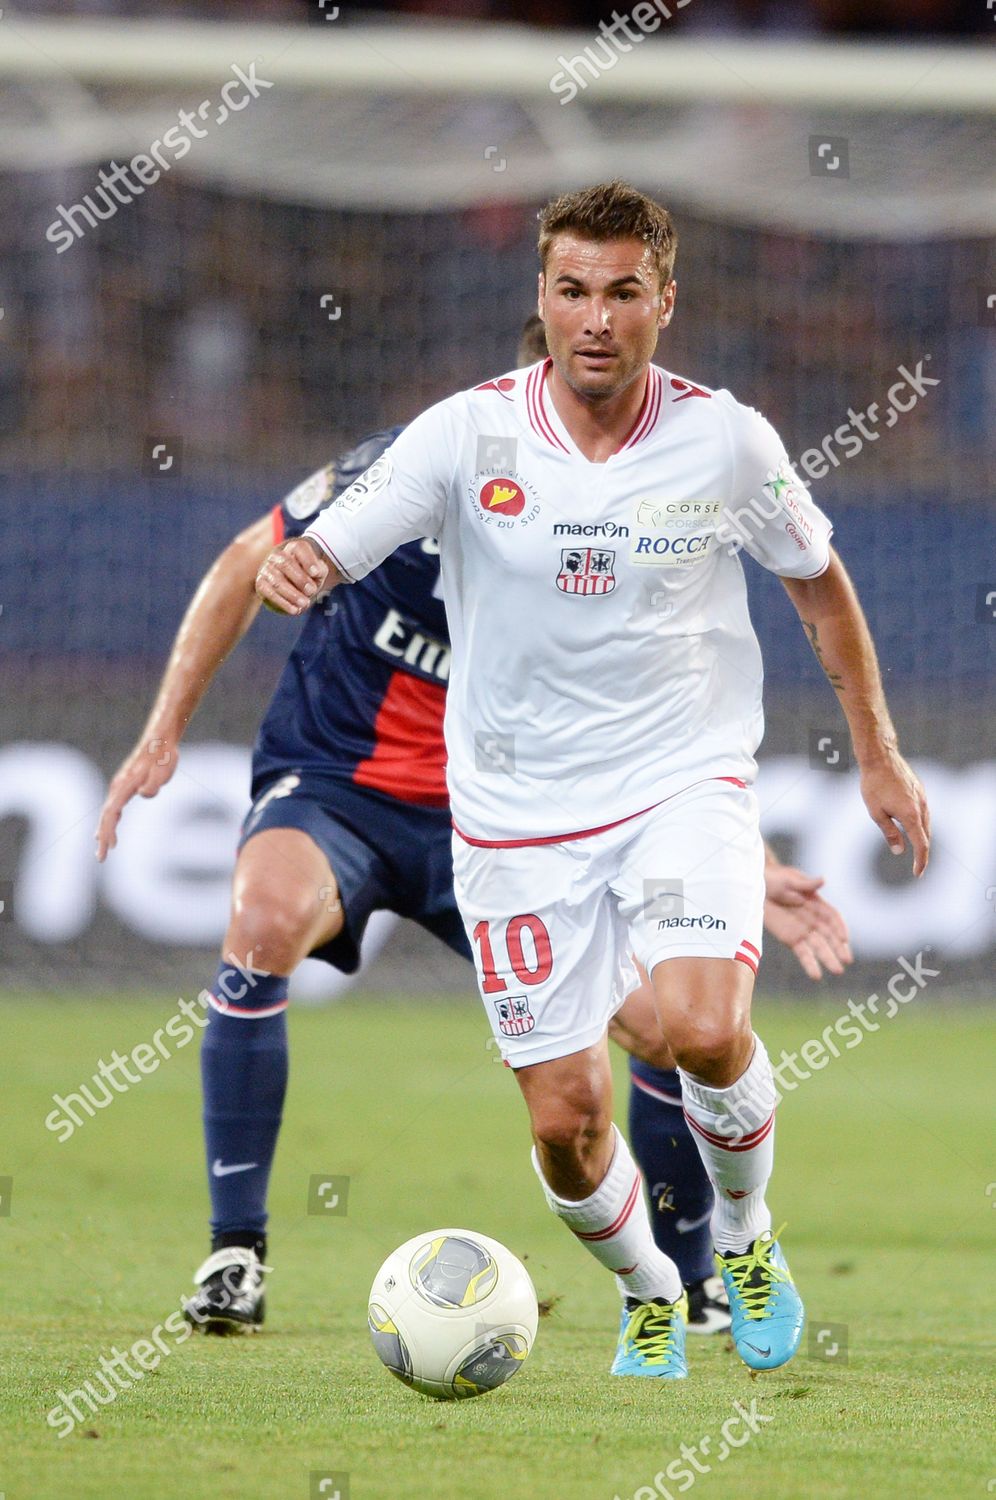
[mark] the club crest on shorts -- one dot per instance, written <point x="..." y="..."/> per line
<point x="514" y="1016"/>
<point x="586" y="570"/>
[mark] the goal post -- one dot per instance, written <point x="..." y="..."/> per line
<point x="326" y="245"/>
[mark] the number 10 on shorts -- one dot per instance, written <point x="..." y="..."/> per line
<point x="514" y="936"/>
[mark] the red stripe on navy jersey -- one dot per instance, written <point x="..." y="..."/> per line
<point x="617" y="1224"/>
<point x="409" y="754"/>
<point x="277" y="519"/>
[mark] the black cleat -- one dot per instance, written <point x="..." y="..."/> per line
<point x="230" y="1296"/>
<point x="708" y="1308"/>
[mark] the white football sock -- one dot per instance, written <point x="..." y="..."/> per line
<point x="734" y="1129"/>
<point x="613" y="1225"/>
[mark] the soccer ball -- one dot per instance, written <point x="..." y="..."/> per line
<point x="452" y="1313"/>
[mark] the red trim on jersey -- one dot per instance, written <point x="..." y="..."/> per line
<point x="535" y="408"/>
<point x="646" y="417"/>
<point x="502" y="386"/>
<point x="750" y="948"/>
<point x="733" y="780"/>
<point x="617" y="1224"/>
<point x="409" y="756"/>
<point x="584" y="833"/>
<point x="743" y="1143"/>
<point x="277" y="521"/>
<point x="648" y="413"/>
<point x="553" y="838"/>
<point x="688" y="389"/>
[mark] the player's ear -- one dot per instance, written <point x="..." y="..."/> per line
<point x="668" y="296"/>
<point x="540" y="294"/>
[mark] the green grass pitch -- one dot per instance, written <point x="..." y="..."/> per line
<point x="881" y="1172"/>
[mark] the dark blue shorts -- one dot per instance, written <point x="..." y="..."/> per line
<point x="385" y="855"/>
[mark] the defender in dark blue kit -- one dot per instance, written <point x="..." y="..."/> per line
<point x="350" y="751"/>
<point x="350" y="815"/>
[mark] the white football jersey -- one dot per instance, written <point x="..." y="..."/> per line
<point x="603" y="655"/>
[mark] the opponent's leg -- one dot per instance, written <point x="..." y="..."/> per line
<point x="730" y="1098"/>
<point x="284" y="904"/>
<point x="591" y="1182"/>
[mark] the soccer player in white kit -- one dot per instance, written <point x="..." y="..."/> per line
<point x="603" y="712"/>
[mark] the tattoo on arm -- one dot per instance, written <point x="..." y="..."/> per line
<point x="834" y="678"/>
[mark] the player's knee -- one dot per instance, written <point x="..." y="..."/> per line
<point x="703" y="1044"/>
<point x="571" y="1122"/>
<point x="277" y="924"/>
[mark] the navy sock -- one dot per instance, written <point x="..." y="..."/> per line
<point x="679" y="1189"/>
<point x="244" y="1079"/>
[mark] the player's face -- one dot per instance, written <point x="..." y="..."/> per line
<point x="603" y="309"/>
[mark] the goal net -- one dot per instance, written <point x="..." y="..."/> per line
<point x="317" y="231"/>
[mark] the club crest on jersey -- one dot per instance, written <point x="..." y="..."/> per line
<point x="586" y="570"/>
<point x="514" y="1016"/>
<point x="503" y="498"/>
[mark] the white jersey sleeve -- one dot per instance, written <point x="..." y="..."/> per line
<point x="401" y="497"/>
<point x="771" y="513"/>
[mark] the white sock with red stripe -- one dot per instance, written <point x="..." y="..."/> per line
<point x="734" y="1129"/>
<point x="614" y="1226"/>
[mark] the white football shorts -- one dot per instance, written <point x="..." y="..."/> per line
<point x="552" y="926"/>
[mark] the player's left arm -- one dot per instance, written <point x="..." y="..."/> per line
<point x="837" y="630"/>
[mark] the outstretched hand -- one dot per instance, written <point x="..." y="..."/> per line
<point x="145" y="772"/>
<point x="799" y="917"/>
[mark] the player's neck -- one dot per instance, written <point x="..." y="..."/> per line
<point x="598" y="428"/>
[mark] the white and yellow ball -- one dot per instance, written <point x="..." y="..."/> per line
<point x="452" y="1313"/>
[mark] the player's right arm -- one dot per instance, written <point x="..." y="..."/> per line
<point x="401" y="497"/>
<point x="217" y="617"/>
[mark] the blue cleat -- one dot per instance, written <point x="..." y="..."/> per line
<point x="767" y="1310"/>
<point x="652" y="1339"/>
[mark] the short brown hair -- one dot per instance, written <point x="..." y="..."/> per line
<point x="532" y="341"/>
<point x="611" y="211"/>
